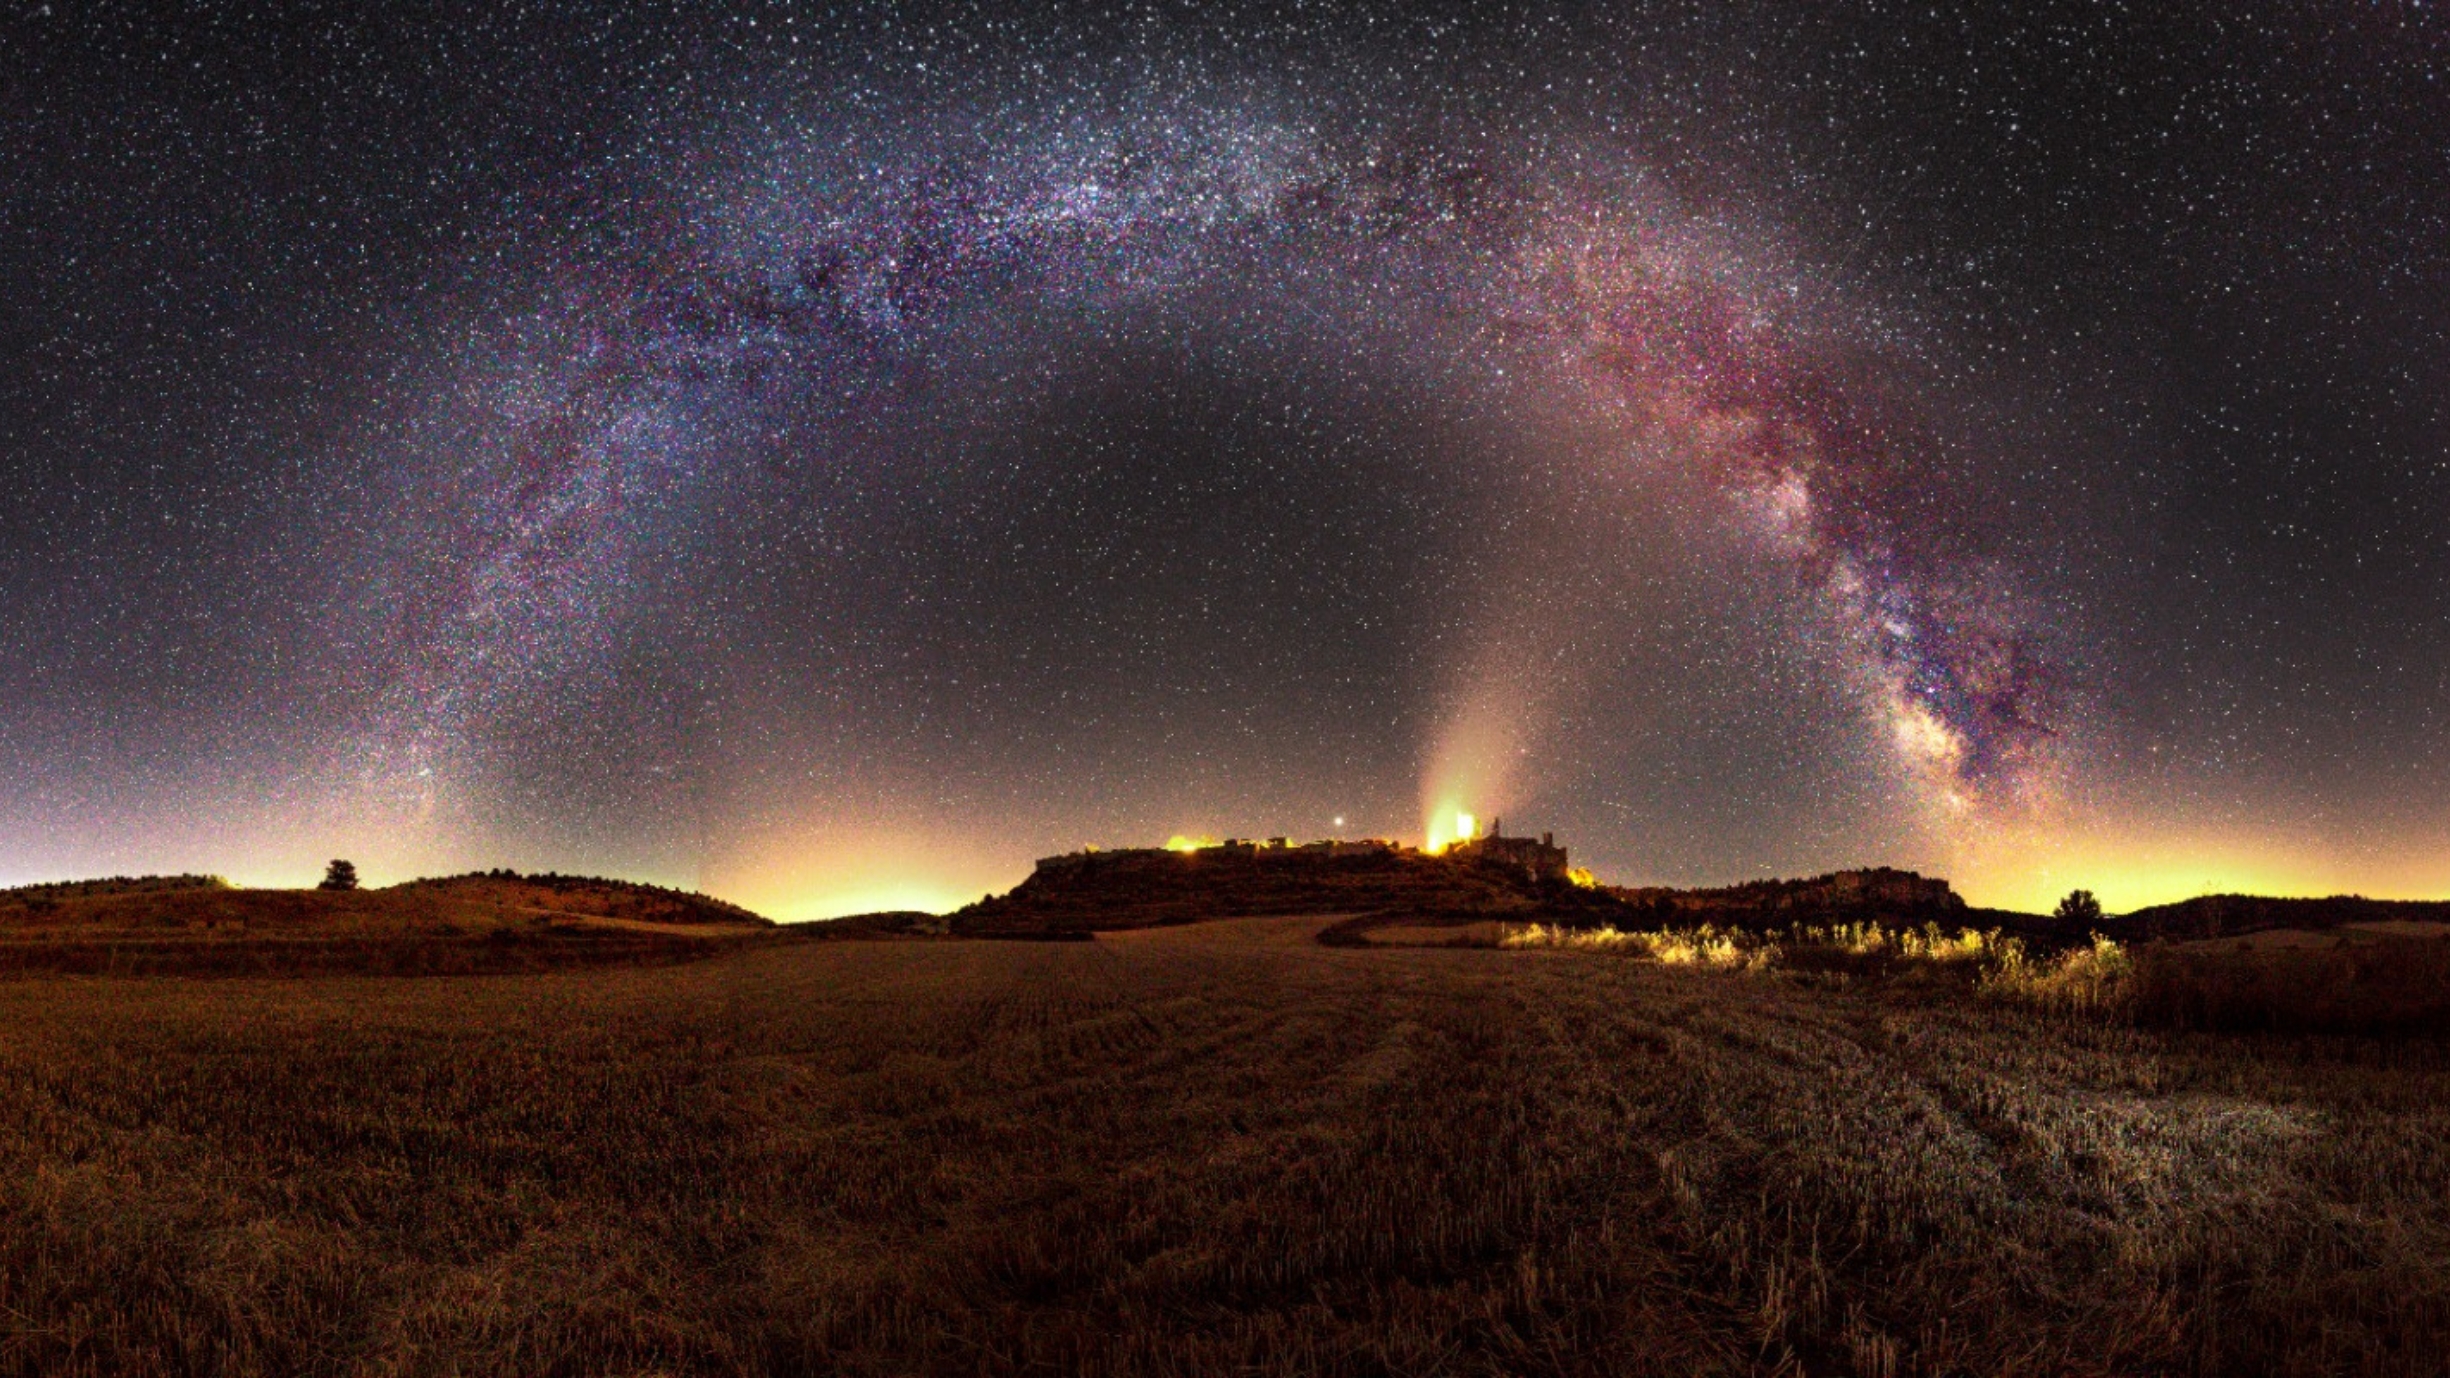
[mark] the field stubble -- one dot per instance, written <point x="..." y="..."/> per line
<point x="1197" y="1150"/>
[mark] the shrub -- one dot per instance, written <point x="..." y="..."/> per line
<point x="2095" y="979"/>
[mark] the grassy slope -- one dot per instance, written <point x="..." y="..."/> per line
<point x="1187" y="1150"/>
<point x="585" y="896"/>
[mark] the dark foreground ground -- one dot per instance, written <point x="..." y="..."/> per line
<point x="1216" y="1148"/>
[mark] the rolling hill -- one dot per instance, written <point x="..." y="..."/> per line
<point x="487" y="921"/>
<point x="2230" y="916"/>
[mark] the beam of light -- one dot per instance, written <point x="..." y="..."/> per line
<point x="1479" y="751"/>
<point x="1448" y="827"/>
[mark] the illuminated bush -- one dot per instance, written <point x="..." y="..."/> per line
<point x="2096" y="979"/>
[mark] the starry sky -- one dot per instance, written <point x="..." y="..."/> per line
<point x="830" y="456"/>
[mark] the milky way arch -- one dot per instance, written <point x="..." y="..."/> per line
<point x="813" y="276"/>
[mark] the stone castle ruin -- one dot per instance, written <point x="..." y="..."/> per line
<point x="1539" y="860"/>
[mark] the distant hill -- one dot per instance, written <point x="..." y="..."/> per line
<point x="1882" y="892"/>
<point x="496" y="921"/>
<point x="883" y="923"/>
<point x="590" y="895"/>
<point x="52" y="892"/>
<point x="2228" y="916"/>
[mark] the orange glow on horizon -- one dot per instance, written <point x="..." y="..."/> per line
<point x="2133" y="864"/>
<point x="792" y="877"/>
<point x="922" y="896"/>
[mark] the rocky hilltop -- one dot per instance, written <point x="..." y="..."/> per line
<point x="1091" y="891"/>
<point x="1880" y="891"/>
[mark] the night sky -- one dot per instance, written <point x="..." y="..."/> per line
<point x="830" y="456"/>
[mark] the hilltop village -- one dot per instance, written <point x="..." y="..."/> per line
<point x="1538" y="859"/>
<point x="1485" y="876"/>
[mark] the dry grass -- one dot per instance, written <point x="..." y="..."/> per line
<point x="2366" y="980"/>
<point x="1221" y="1148"/>
<point x="1858" y="946"/>
<point x="2095" y="979"/>
<point x="2351" y="983"/>
<point x="1704" y="945"/>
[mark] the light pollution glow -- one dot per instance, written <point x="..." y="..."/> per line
<point x="2129" y="861"/>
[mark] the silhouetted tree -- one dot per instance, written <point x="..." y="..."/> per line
<point x="2078" y="910"/>
<point x="340" y="875"/>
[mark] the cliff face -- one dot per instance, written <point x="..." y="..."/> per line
<point x="1881" y="890"/>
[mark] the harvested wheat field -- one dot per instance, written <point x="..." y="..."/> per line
<point x="1207" y="1149"/>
